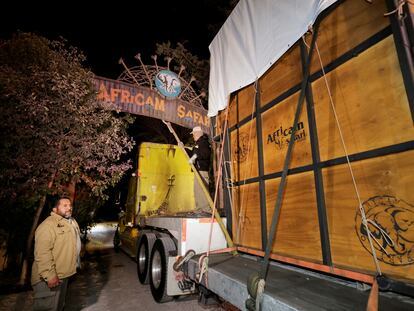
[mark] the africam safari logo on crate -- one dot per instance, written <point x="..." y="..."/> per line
<point x="281" y="136"/>
<point x="241" y="147"/>
<point x="391" y="224"/>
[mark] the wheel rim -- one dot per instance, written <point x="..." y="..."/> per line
<point x="141" y="258"/>
<point x="156" y="269"/>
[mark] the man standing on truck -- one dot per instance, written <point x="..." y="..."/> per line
<point x="201" y="160"/>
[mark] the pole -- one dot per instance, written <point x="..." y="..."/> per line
<point x="206" y="192"/>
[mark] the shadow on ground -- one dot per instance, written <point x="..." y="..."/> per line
<point x="84" y="289"/>
<point x="86" y="286"/>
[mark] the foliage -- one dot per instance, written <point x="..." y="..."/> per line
<point x="53" y="132"/>
<point x="194" y="66"/>
<point x="51" y="123"/>
<point x="222" y="9"/>
<point x="85" y="208"/>
<point x="15" y="229"/>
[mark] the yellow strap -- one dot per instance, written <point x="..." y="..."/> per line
<point x="206" y="192"/>
<point x="373" y="297"/>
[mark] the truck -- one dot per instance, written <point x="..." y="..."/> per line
<point x="161" y="221"/>
<point x="312" y="108"/>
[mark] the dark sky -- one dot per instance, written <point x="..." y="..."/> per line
<point x="106" y="32"/>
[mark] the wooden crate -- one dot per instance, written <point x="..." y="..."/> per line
<point x="320" y="219"/>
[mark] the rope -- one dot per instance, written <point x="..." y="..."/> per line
<point x="203" y="266"/>
<point x="259" y="293"/>
<point x="205" y="262"/>
<point x="280" y="191"/>
<point x="361" y="208"/>
<point x="242" y="210"/>
<point x="224" y="250"/>
<point x="388" y="240"/>
<point x="228" y="180"/>
<point x="212" y="203"/>
<point x="217" y="181"/>
<point x="200" y="181"/>
<point x="399" y="9"/>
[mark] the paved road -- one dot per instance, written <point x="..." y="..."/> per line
<point x="107" y="281"/>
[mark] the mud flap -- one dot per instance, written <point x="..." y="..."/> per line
<point x="177" y="282"/>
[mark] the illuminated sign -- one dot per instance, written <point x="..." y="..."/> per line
<point x="143" y="101"/>
<point x="168" y="83"/>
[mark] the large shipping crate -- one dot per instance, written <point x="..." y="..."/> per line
<point x="320" y="223"/>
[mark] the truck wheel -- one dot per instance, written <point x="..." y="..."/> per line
<point x="143" y="256"/>
<point x="158" y="268"/>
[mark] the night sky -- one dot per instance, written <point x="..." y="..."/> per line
<point x="106" y="32"/>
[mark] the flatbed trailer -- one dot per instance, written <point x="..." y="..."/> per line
<point x="312" y="106"/>
<point x="289" y="288"/>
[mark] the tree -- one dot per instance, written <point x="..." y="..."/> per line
<point x="195" y="66"/>
<point x="54" y="133"/>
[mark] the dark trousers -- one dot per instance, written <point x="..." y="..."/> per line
<point x="50" y="299"/>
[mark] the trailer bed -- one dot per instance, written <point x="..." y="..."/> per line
<point x="289" y="288"/>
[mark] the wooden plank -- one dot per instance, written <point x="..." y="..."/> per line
<point x="246" y="216"/>
<point x="244" y="152"/>
<point x="246" y="103"/>
<point x="343" y="29"/>
<point x="221" y="116"/>
<point x="347" y="26"/>
<point x="233" y="117"/>
<point x="385" y="186"/>
<point x="286" y="73"/>
<point x="277" y="126"/>
<point x="297" y="232"/>
<point x="241" y="106"/>
<point x="351" y="23"/>
<point x="370" y="100"/>
<point x="311" y="265"/>
<point x="373" y="110"/>
<point x="298" y="229"/>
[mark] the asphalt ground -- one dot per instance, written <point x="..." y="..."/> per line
<point x="107" y="281"/>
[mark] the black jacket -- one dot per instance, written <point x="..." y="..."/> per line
<point x="203" y="150"/>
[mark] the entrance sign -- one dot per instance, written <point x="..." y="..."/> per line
<point x="168" y="83"/>
<point x="143" y="101"/>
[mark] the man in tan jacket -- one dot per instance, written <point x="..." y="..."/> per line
<point x="56" y="257"/>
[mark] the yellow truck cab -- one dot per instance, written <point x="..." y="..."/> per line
<point x="161" y="221"/>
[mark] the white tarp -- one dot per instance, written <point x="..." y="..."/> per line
<point x="256" y="34"/>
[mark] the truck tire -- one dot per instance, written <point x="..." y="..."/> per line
<point x="144" y="248"/>
<point x="158" y="268"/>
